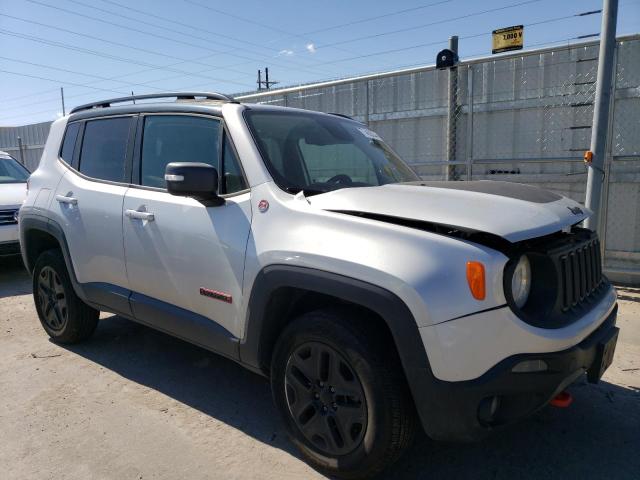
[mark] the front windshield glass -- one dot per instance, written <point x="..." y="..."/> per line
<point x="11" y="171"/>
<point x="318" y="153"/>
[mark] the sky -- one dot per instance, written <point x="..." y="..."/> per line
<point x="98" y="49"/>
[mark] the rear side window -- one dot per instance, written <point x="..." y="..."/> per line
<point x="104" y="149"/>
<point x="177" y="138"/>
<point x="69" y="142"/>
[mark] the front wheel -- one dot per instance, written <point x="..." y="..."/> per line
<point x="64" y="316"/>
<point x="341" y="394"/>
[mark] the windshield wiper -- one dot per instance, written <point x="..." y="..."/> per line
<point x="307" y="191"/>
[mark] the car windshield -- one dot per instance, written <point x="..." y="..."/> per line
<point x="320" y="153"/>
<point x="11" y="171"/>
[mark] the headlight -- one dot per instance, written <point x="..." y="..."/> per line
<point x="521" y="281"/>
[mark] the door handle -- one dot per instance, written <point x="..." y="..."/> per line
<point x="135" y="214"/>
<point x="67" y="200"/>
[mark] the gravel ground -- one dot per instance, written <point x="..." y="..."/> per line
<point x="133" y="403"/>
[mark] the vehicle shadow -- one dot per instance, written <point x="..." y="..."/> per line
<point x="597" y="437"/>
<point x="14" y="278"/>
<point x="210" y="383"/>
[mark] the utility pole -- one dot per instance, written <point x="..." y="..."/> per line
<point x="267" y="84"/>
<point x="62" y="98"/>
<point x="452" y="110"/>
<point x="595" y="157"/>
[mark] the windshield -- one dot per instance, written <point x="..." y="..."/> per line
<point x="318" y="153"/>
<point x="11" y="171"/>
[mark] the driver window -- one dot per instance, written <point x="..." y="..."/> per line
<point x="177" y="138"/>
<point x="326" y="161"/>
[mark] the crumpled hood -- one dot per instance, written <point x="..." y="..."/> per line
<point x="512" y="211"/>
<point x="12" y="194"/>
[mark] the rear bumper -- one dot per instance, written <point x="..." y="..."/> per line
<point x="452" y="409"/>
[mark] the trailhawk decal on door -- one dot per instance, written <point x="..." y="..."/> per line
<point x="223" y="297"/>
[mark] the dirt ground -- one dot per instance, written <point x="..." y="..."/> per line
<point x="133" y="403"/>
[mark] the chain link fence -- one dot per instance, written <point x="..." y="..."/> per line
<point x="524" y="117"/>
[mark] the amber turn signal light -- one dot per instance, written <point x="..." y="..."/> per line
<point x="475" y="279"/>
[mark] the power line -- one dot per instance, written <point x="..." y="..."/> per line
<point x="110" y="12"/>
<point x="111" y="42"/>
<point x="120" y="25"/>
<point x="193" y="27"/>
<point x="58" y="81"/>
<point x="438" y="42"/>
<point x="370" y="19"/>
<point x="439" y="22"/>
<point x="40" y="65"/>
<point x="202" y="71"/>
<point x="211" y="32"/>
<point x="114" y="43"/>
<point x="108" y="56"/>
<point x="253" y="22"/>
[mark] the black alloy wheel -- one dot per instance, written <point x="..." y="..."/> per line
<point x="63" y="315"/>
<point x="53" y="299"/>
<point x="325" y="398"/>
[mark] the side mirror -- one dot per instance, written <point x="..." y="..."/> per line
<point x="196" y="180"/>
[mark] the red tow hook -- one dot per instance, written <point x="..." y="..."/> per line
<point x="562" y="400"/>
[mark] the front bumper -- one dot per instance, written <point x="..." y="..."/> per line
<point x="9" y="233"/>
<point x="453" y="409"/>
<point x="9" y="240"/>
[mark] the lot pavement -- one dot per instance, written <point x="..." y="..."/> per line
<point x="133" y="403"/>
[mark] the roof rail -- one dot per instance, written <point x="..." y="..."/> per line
<point x="341" y="115"/>
<point x="177" y="95"/>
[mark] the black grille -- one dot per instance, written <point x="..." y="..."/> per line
<point x="7" y="216"/>
<point x="580" y="273"/>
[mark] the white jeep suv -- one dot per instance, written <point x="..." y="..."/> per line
<point x="299" y="245"/>
<point x="13" y="180"/>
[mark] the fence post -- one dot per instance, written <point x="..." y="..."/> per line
<point x="469" y="122"/>
<point x="452" y="91"/>
<point x="23" y="160"/>
<point x="601" y="109"/>
<point x="366" y="105"/>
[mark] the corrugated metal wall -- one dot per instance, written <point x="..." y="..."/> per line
<point x="523" y="117"/>
<point x="33" y="139"/>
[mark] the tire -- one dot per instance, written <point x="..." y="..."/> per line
<point x="65" y="317"/>
<point x="344" y="439"/>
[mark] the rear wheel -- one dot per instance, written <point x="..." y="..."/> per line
<point x="65" y="317"/>
<point x="342" y="396"/>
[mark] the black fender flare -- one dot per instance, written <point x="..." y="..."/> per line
<point x="30" y="222"/>
<point x="386" y="304"/>
<point x="101" y="296"/>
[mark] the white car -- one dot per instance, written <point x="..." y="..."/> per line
<point x="300" y="245"/>
<point x="13" y="191"/>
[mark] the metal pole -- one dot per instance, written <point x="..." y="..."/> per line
<point x="470" y="122"/>
<point x="266" y="77"/>
<point x="366" y="105"/>
<point x="452" y="111"/>
<point x="602" y="103"/>
<point x="21" y="149"/>
<point x="604" y="207"/>
<point x="62" y="98"/>
<point x="259" y="80"/>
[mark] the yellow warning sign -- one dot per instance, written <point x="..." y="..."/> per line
<point x="506" y="39"/>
